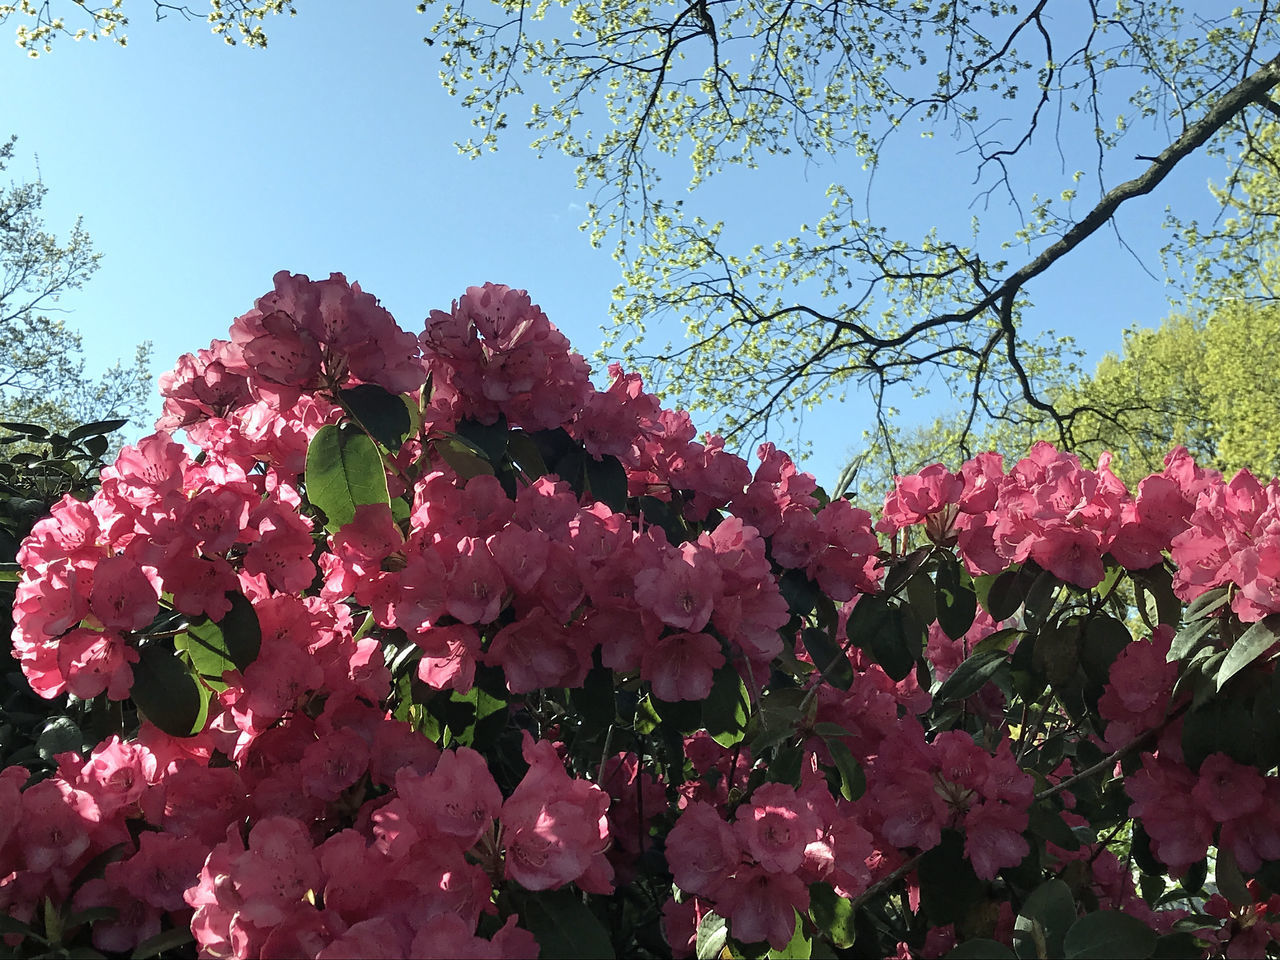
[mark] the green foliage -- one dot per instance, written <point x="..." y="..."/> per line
<point x="40" y="24"/>
<point x="1209" y="383"/>
<point x="42" y="369"/>
<point x="772" y="326"/>
<point x="49" y="466"/>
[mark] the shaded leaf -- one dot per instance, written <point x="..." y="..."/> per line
<point x="832" y="914"/>
<point x="1109" y="935"/>
<point x="828" y="657"/>
<point x="382" y="413"/>
<point x="167" y="693"/>
<point x="725" y="711"/>
<point x="956" y="602"/>
<point x="564" y="926"/>
<point x="1253" y="643"/>
<point x="1052" y="909"/>
<point x="972" y="675"/>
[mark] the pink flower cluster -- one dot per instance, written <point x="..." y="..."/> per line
<point x="1225" y="803"/>
<point x="756" y="870"/>
<point x="303" y="818"/>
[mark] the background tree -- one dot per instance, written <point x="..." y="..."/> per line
<point x="774" y="327"/>
<point x="844" y="303"/>
<point x="1207" y="381"/>
<point x="39" y="24"/>
<point x="42" y="369"/>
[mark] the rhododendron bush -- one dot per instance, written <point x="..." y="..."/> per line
<point x="423" y="645"/>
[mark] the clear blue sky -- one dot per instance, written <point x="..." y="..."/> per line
<point x="201" y="169"/>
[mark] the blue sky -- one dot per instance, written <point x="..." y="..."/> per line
<point x="201" y="169"/>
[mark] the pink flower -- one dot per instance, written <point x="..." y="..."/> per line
<point x="554" y="827"/>
<point x="776" y="828"/>
<point x="683" y="591"/>
<point x="680" y="666"/>
<point x="703" y="850"/>
<point x="1227" y="790"/>
<point x="459" y="799"/>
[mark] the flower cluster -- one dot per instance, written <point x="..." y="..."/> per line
<point x="521" y="642"/>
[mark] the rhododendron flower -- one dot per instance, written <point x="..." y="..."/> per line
<point x="680" y="666"/>
<point x="555" y="828"/>
<point x="703" y="851"/>
<point x="776" y="828"/>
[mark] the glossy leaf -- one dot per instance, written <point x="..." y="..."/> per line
<point x="725" y="711"/>
<point x="344" y="471"/>
<point x="956" y="602"/>
<point x="488" y="438"/>
<point x="462" y="458"/>
<point x="828" y="657"/>
<point x="713" y="932"/>
<point x="167" y="693"/>
<point x="1109" y="935"/>
<point x="832" y="914"/>
<point x="1253" y="643"/>
<point x="564" y="926"/>
<point x="893" y="635"/>
<point x="230" y="644"/>
<point x="1042" y="925"/>
<point x="972" y="675"/>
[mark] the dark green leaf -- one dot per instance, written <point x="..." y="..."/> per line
<point x="33" y="430"/>
<point x="1046" y="822"/>
<point x="462" y="458"/>
<point x="563" y="926"/>
<point x="1104" y="638"/>
<point x="893" y="635"/>
<point x="489" y="438"/>
<point x="1230" y="881"/>
<point x="955" y="600"/>
<point x="981" y="948"/>
<point x="522" y="449"/>
<point x="1006" y="594"/>
<point x="60" y="735"/>
<point x="230" y="644"/>
<point x="904" y="569"/>
<point x="607" y="482"/>
<point x="832" y="914"/>
<point x="382" y="413"/>
<point x="1159" y="582"/>
<point x="1253" y="643"/>
<point x="1178" y="946"/>
<point x="1046" y="915"/>
<point x="98" y="428"/>
<point x="1040" y="597"/>
<point x="725" y="711"/>
<point x="162" y="942"/>
<point x="594" y="700"/>
<point x="828" y="657"/>
<point x="1109" y="935"/>
<point x="853" y="781"/>
<point x="344" y="471"/>
<point x="948" y="885"/>
<point x="799" y="591"/>
<point x="1190" y="637"/>
<point x="972" y="675"/>
<point x="1206" y="605"/>
<point x="167" y="693"/>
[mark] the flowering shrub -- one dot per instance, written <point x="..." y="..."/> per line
<point x="435" y="649"/>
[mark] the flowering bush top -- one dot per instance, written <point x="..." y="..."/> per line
<point x="432" y="648"/>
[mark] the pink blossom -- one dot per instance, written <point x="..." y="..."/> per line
<point x="680" y="666"/>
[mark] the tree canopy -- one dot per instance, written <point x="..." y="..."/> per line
<point x="42" y="369"/>
<point x="1208" y="381"/>
<point x="1123" y="91"/>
